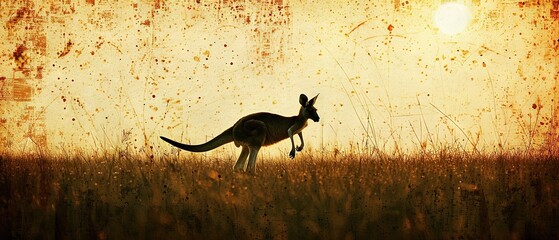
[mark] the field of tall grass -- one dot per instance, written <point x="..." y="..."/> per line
<point x="342" y="196"/>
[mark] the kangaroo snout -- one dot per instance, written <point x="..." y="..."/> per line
<point x="314" y="116"/>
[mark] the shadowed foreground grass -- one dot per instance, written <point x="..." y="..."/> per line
<point x="347" y="197"/>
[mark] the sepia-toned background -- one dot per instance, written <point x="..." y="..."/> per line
<point x="90" y="76"/>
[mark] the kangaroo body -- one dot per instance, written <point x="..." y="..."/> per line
<point x="259" y="129"/>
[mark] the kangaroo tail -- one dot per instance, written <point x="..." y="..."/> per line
<point x="223" y="138"/>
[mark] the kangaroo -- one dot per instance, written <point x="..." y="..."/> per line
<point x="259" y="129"/>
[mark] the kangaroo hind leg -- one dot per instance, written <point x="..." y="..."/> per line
<point x="251" y="134"/>
<point x="257" y="130"/>
<point x="252" y="159"/>
<point x="241" y="162"/>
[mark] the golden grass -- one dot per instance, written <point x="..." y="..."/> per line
<point x="344" y="197"/>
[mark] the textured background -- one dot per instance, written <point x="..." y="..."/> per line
<point x="96" y="76"/>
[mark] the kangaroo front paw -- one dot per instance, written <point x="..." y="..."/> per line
<point x="299" y="148"/>
<point x="292" y="153"/>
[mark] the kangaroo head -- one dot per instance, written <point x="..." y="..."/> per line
<point x="307" y="108"/>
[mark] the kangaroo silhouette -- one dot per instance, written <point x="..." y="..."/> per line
<point x="253" y="131"/>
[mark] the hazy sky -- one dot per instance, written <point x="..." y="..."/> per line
<point x="94" y="76"/>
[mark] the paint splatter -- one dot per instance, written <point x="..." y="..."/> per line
<point x="66" y="50"/>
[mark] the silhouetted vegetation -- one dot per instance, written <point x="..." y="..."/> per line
<point x="342" y="197"/>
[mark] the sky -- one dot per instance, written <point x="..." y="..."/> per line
<point x="90" y="76"/>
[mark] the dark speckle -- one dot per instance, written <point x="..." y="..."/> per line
<point x="18" y="55"/>
<point x="66" y="50"/>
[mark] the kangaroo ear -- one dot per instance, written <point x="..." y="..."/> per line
<point x="313" y="100"/>
<point x="303" y="100"/>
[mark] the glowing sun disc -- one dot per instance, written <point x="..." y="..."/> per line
<point x="452" y="18"/>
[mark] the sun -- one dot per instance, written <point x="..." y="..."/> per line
<point x="452" y="18"/>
